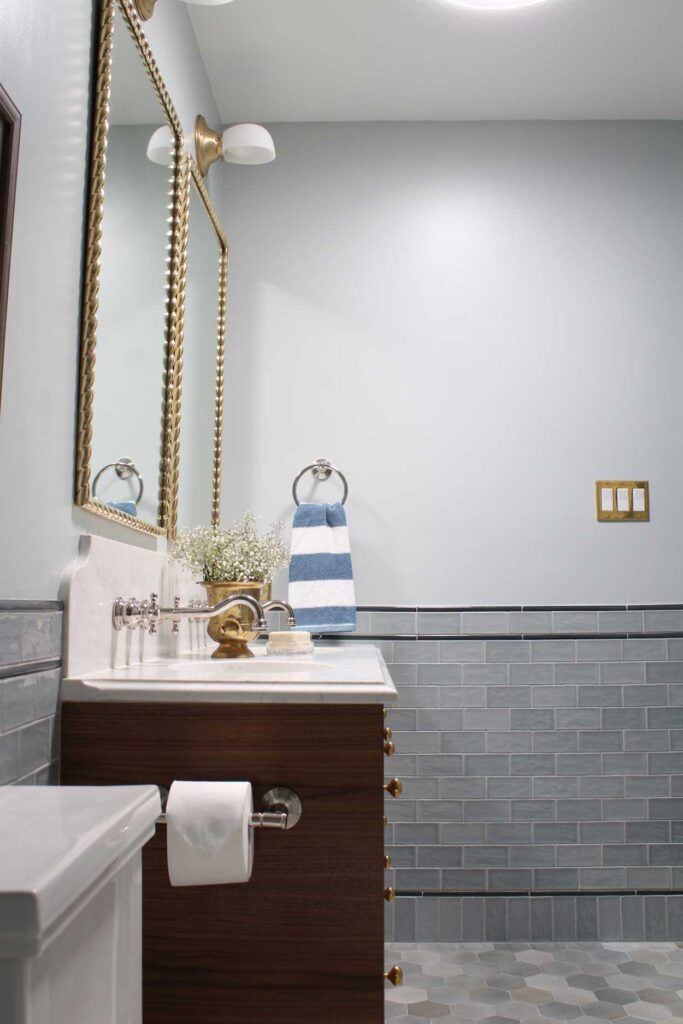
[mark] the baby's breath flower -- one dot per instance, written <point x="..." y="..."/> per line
<point x="237" y="554"/>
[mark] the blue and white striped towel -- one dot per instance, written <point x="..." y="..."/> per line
<point x="321" y="588"/>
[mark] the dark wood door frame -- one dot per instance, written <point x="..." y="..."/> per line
<point x="9" y="162"/>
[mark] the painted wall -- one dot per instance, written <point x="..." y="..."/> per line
<point x="476" y="322"/>
<point x="45" y="54"/>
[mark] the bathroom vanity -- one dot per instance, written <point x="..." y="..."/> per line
<point x="302" y="941"/>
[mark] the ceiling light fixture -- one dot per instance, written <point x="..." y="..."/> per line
<point x="145" y="8"/>
<point x="497" y="5"/>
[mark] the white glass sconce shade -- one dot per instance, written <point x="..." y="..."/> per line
<point x="248" y="144"/>
<point x="161" y="146"/>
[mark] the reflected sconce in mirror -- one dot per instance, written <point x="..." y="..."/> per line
<point x="145" y="8"/>
<point x="10" y="125"/>
<point x="239" y="144"/>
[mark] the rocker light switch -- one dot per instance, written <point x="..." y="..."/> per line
<point x="619" y="500"/>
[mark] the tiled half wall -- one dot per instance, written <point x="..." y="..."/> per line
<point x="541" y="754"/>
<point x="30" y="659"/>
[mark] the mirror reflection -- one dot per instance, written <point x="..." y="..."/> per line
<point x="198" y="410"/>
<point x="127" y="414"/>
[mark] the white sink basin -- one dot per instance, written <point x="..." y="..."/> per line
<point x="272" y="669"/>
<point x="355" y="674"/>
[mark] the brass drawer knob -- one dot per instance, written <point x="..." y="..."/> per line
<point x="394" y="787"/>
<point x="389" y="749"/>
<point x="395" y="976"/>
<point x="389" y="894"/>
<point x="387" y="861"/>
<point x="388" y="733"/>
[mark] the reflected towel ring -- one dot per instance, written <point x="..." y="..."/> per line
<point x="125" y="468"/>
<point x="322" y="469"/>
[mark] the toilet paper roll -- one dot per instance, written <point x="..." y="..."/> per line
<point x="209" y="840"/>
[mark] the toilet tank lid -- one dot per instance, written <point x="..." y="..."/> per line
<point x="56" y="844"/>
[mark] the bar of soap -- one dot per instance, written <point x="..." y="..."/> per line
<point x="289" y="641"/>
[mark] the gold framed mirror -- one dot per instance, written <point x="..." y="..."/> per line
<point x="131" y="337"/>
<point x="203" y="357"/>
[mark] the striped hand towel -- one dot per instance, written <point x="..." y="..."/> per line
<point x="321" y="588"/>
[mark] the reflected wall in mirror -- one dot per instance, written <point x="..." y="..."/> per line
<point x="201" y="419"/>
<point x="128" y="406"/>
<point x="10" y="124"/>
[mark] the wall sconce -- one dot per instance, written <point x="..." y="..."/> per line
<point x="145" y="8"/>
<point x="160" y="146"/>
<point x="240" y="144"/>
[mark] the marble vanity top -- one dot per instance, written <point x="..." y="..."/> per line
<point x="355" y="674"/>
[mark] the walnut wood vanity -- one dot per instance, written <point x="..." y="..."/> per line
<point x="302" y="941"/>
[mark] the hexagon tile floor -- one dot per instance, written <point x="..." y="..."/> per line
<point x="537" y="983"/>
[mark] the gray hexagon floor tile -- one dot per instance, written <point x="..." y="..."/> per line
<point x="537" y="983"/>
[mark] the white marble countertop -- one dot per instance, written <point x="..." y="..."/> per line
<point x="356" y="674"/>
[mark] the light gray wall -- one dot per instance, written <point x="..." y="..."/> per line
<point x="45" y="52"/>
<point x="476" y="322"/>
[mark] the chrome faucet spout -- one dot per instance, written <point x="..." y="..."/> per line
<point x="283" y="607"/>
<point x="222" y="606"/>
<point x="146" y="614"/>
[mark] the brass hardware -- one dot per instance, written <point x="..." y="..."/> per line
<point x="385" y="820"/>
<point x="179" y="204"/>
<point x="633" y="494"/>
<point x="220" y="349"/>
<point x="145" y="8"/>
<point x="394" y="975"/>
<point x="384" y="712"/>
<point x="394" y="787"/>
<point x="389" y="894"/>
<point x="388" y="733"/>
<point x="208" y="145"/>
<point x="387" y="861"/>
<point x="389" y="749"/>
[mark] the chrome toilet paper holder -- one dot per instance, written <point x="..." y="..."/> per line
<point x="282" y="809"/>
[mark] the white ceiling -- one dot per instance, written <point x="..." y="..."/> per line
<point x="375" y="60"/>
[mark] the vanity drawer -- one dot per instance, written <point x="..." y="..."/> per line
<point x="302" y="941"/>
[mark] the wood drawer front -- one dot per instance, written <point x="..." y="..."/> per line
<point x="302" y="941"/>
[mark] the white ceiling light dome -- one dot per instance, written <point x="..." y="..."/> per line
<point x="497" y="5"/>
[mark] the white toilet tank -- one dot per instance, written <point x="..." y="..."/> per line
<point x="70" y="902"/>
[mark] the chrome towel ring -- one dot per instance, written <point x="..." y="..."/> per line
<point x="124" y="468"/>
<point x="322" y="469"/>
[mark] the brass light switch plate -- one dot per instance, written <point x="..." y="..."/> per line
<point x="620" y="500"/>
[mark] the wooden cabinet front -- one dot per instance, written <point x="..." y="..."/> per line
<point x="302" y="941"/>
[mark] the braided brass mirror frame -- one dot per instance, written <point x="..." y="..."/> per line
<point x="194" y="175"/>
<point x="179" y="206"/>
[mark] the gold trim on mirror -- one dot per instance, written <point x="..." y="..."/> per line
<point x="91" y="288"/>
<point x="220" y="346"/>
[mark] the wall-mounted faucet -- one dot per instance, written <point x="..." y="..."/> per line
<point x="134" y="614"/>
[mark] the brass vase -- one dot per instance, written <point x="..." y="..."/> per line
<point x="232" y="629"/>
